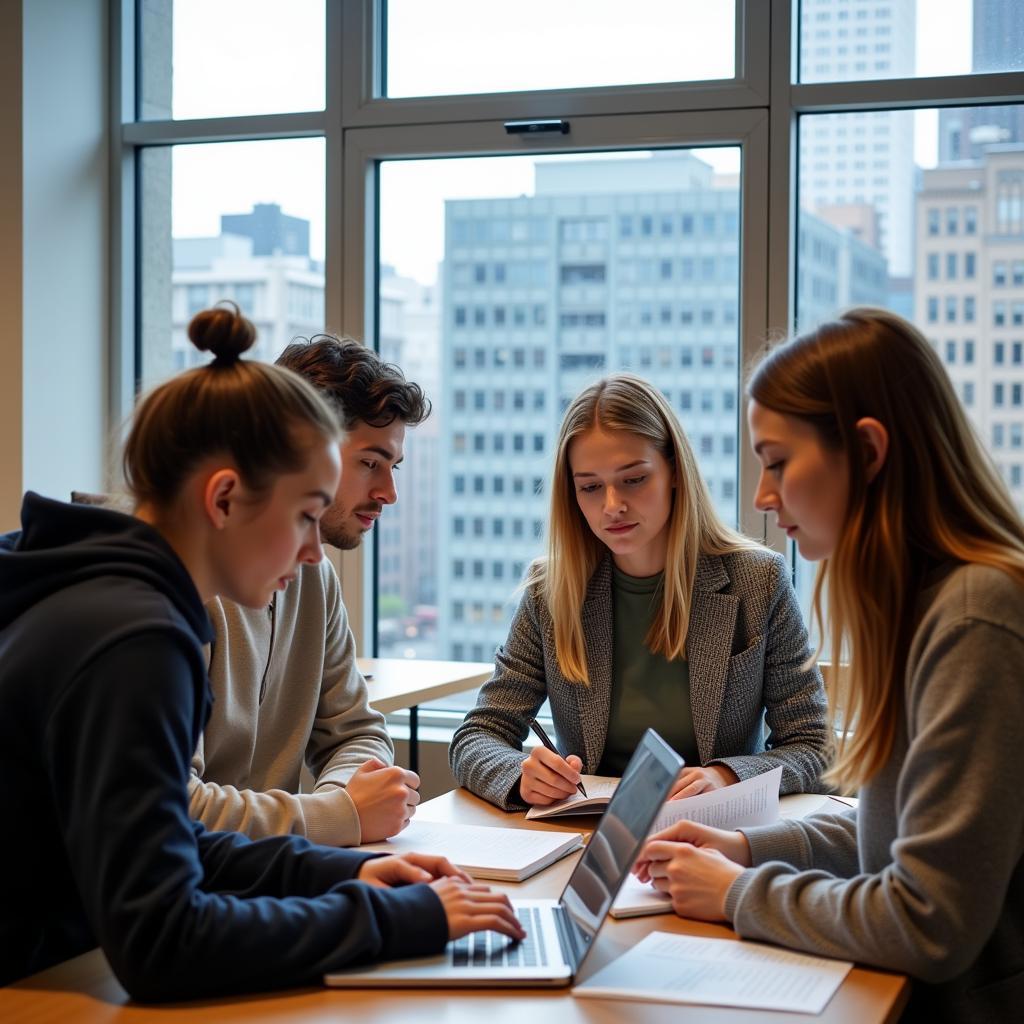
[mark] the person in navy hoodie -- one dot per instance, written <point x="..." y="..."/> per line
<point x="104" y="693"/>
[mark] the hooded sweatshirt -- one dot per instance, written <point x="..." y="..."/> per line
<point x="104" y="695"/>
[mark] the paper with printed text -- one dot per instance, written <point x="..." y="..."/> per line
<point x="668" y="968"/>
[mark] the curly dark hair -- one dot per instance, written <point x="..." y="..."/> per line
<point x="363" y="387"/>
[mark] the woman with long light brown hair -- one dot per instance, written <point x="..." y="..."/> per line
<point x="647" y="611"/>
<point x="869" y="462"/>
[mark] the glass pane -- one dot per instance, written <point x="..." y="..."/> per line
<point x="850" y="40"/>
<point x="923" y="212"/>
<point x="241" y="221"/>
<point x="453" y="47"/>
<point x="220" y="58"/>
<point x="507" y="285"/>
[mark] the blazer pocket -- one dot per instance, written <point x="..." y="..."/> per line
<point x="745" y="663"/>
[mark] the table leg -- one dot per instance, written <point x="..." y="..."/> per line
<point x="414" y="739"/>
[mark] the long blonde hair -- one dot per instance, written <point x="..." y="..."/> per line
<point x="936" y="499"/>
<point x="627" y="403"/>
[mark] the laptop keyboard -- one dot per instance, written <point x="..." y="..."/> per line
<point x="491" y="949"/>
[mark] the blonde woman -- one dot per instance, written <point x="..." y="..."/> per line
<point x="870" y="464"/>
<point x="647" y="611"/>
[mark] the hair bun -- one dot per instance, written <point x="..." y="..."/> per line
<point x="223" y="331"/>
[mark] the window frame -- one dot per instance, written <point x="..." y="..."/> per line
<point x="759" y="109"/>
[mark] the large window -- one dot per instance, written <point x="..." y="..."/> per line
<point x="854" y="40"/>
<point x="685" y="182"/>
<point x="448" y="47"/>
<point x="238" y="221"/>
<point x="507" y="285"/>
<point x="216" y="58"/>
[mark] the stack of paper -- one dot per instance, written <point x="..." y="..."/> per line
<point x="667" y="968"/>
<point x="751" y="802"/>
<point x="505" y="854"/>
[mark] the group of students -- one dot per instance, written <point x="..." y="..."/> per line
<point x="161" y="819"/>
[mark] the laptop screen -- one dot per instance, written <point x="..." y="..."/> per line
<point x="615" y="844"/>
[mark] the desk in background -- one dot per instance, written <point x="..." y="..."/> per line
<point x="397" y="684"/>
<point x="84" y="990"/>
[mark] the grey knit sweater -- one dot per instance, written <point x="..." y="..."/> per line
<point x="926" y="876"/>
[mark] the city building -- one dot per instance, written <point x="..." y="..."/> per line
<point x="970" y="294"/>
<point x="856" y="159"/>
<point x="612" y="264"/>
<point x="271" y="230"/>
<point x="407" y="567"/>
<point x="280" y="290"/>
<point x="997" y="45"/>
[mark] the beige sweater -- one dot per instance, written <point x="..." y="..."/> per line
<point x="286" y="690"/>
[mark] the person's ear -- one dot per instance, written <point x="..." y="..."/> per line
<point x="220" y="496"/>
<point x="874" y="444"/>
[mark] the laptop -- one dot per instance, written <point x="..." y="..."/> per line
<point x="560" y="933"/>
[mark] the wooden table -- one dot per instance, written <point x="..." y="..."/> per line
<point x="84" y="990"/>
<point x="395" y="684"/>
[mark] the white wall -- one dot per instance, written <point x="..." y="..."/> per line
<point x="53" y="248"/>
<point x="65" y="211"/>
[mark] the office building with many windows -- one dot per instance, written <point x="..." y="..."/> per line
<point x="627" y="264"/>
<point x="261" y="262"/>
<point x="997" y="44"/>
<point x="864" y="158"/>
<point x="970" y="299"/>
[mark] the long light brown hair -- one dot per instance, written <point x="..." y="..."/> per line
<point x="627" y="403"/>
<point x="937" y="499"/>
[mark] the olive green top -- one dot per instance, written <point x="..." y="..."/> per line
<point x="648" y="690"/>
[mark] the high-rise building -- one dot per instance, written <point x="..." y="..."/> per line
<point x="283" y="295"/>
<point x="861" y="158"/>
<point x="970" y="293"/>
<point x="612" y="264"/>
<point x="271" y="231"/>
<point x="282" y="292"/>
<point x="998" y="45"/>
<point x="409" y="335"/>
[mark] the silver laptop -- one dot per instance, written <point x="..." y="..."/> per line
<point x="559" y="933"/>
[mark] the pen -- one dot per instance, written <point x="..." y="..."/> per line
<point x="545" y="739"/>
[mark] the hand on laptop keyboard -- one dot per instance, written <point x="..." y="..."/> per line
<point x="488" y="949"/>
<point x="476" y="908"/>
<point x="408" y="869"/>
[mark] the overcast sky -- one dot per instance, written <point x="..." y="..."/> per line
<point x="242" y="56"/>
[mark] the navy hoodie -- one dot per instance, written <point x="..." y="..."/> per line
<point x="103" y="696"/>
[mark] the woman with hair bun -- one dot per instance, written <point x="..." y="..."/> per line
<point x="104" y="690"/>
<point x="870" y="464"/>
<point x="647" y="611"/>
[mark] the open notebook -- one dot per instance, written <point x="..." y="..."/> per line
<point x="483" y="851"/>
<point x="599" y="791"/>
<point x="754" y="801"/>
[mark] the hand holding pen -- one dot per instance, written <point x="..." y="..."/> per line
<point x="547" y="776"/>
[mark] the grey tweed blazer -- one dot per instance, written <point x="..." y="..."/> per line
<point x="746" y="647"/>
